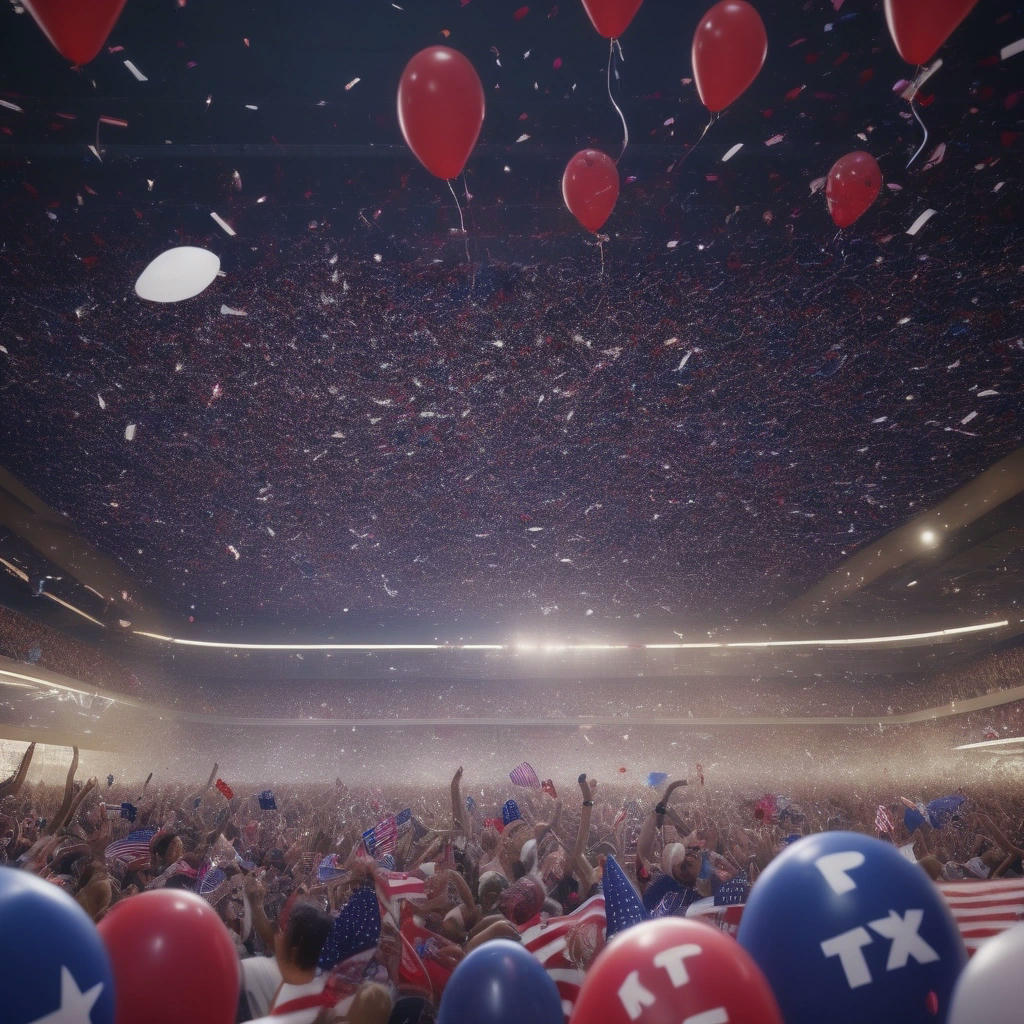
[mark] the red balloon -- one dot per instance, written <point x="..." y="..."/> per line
<point x="920" y="27"/>
<point x="672" y="970"/>
<point x="590" y="187"/>
<point x="440" y="109"/>
<point x="729" y="48"/>
<point x="173" y="960"/>
<point x="77" y="29"/>
<point x="611" y="17"/>
<point x="853" y="185"/>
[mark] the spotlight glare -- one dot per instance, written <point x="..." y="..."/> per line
<point x="928" y="538"/>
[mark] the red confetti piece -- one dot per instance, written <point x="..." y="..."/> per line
<point x="793" y="93"/>
<point x="521" y="13"/>
<point x="556" y="63"/>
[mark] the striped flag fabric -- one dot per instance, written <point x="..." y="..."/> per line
<point x="382" y="838"/>
<point x="397" y="885"/>
<point x="133" y="846"/>
<point x="984" y="908"/>
<point x="403" y="821"/>
<point x="566" y="946"/>
<point x="524" y="775"/>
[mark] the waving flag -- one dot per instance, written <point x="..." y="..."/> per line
<point x="267" y="801"/>
<point x="133" y="846"/>
<point x="129" y="811"/>
<point x="398" y="885"/>
<point x="382" y="838"/>
<point x="330" y="867"/>
<point x="984" y="909"/>
<point x="623" y="908"/>
<point x="403" y="821"/>
<point x="524" y="775"/>
<point x="566" y="946"/>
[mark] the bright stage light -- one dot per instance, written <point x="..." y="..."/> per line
<point x="929" y="538"/>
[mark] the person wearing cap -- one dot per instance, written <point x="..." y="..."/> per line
<point x="674" y="888"/>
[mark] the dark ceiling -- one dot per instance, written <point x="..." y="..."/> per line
<point x="686" y="431"/>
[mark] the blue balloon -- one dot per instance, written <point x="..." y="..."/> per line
<point x="847" y="931"/>
<point x="500" y="983"/>
<point x="53" y="964"/>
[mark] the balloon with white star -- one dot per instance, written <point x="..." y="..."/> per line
<point x="54" y="969"/>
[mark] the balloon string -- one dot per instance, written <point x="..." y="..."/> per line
<point x="924" y="141"/>
<point x="462" y="223"/>
<point x="613" y="45"/>
<point x="682" y="160"/>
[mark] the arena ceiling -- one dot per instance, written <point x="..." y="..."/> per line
<point x="357" y="430"/>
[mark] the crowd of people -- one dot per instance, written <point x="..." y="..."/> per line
<point x="325" y="888"/>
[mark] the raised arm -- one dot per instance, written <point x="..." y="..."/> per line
<point x="12" y="785"/>
<point x="654" y="821"/>
<point x="587" y="790"/>
<point x="69" y="792"/>
<point x="460" y="814"/>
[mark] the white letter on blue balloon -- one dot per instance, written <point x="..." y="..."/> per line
<point x="834" y="866"/>
<point x="906" y="942"/>
<point x="848" y="948"/>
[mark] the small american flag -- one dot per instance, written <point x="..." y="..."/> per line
<point x="984" y="908"/>
<point x="403" y="821"/>
<point x="132" y="847"/>
<point x="566" y="946"/>
<point x="382" y="838"/>
<point x="524" y="775"/>
<point x="883" y="821"/>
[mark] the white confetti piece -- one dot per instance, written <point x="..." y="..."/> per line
<point x="732" y="152"/>
<point x="352" y="84"/>
<point x="11" y="106"/>
<point x="271" y="532"/>
<point x="251" y="106"/>
<point x="998" y="186"/>
<point x="228" y="311"/>
<point x="1012" y="50"/>
<point x="103" y="404"/>
<point x="920" y="222"/>
<point x="234" y="551"/>
<point x="817" y="185"/>
<point x="222" y="223"/>
<point x="523" y="138"/>
<point x="139" y="76"/>
<point x="987" y="393"/>
<point x="967" y="419"/>
<point x="534" y="529"/>
<point x="879" y="419"/>
<point x="774" y="140"/>
<point x="96" y="153"/>
<point x="129" y="432"/>
<point x="672" y="244"/>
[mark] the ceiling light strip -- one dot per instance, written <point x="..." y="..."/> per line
<point x="990" y="743"/>
<point x="557" y="648"/>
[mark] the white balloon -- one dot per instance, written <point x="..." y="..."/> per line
<point x="991" y="988"/>
<point x="178" y="274"/>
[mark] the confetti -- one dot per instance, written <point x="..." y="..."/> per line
<point x="223" y="224"/>
<point x="732" y="152"/>
<point x="352" y="84"/>
<point x="129" y="432"/>
<point x="967" y="419"/>
<point x="920" y="222"/>
<point x="1012" y="50"/>
<point x="228" y="311"/>
<point x="139" y="76"/>
<point x="7" y="105"/>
